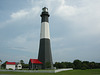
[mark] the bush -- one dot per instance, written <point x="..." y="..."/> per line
<point x="10" y="69"/>
<point x="48" y="65"/>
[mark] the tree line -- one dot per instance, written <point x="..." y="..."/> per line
<point x="77" y="64"/>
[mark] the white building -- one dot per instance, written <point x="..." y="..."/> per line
<point x="18" y="66"/>
<point x="13" y="65"/>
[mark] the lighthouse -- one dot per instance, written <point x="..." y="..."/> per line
<point x="45" y="55"/>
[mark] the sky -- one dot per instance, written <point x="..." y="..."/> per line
<point x="74" y="29"/>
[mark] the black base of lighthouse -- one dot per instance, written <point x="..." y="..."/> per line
<point x="45" y="53"/>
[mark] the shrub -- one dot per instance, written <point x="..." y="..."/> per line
<point x="10" y="69"/>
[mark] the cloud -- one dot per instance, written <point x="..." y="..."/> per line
<point x="24" y="42"/>
<point x="25" y="13"/>
<point x="57" y="39"/>
<point x="84" y="19"/>
<point x="18" y="48"/>
<point x="65" y="10"/>
<point x="19" y="14"/>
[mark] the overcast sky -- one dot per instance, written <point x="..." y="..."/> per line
<point x="74" y="29"/>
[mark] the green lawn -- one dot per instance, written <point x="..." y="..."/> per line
<point x="71" y="72"/>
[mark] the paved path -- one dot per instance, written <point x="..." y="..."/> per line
<point x="40" y="71"/>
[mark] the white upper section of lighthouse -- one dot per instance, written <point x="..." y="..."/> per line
<point x="44" y="30"/>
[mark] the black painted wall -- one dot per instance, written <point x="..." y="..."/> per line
<point x="45" y="53"/>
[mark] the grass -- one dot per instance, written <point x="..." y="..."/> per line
<point x="71" y="72"/>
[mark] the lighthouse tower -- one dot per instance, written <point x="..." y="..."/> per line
<point x="45" y="55"/>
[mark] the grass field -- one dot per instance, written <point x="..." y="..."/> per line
<point x="71" y="72"/>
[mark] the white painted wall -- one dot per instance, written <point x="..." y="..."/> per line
<point x="44" y="30"/>
<point x="66" y="69"/>
<point x="10" y="66"/>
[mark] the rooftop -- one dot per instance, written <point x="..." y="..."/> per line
<point x="35" y="61"/>
<point x="11" y="63"/>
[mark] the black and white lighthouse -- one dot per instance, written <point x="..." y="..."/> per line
<point x="45" y="55"/>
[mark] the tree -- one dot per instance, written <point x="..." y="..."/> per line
<point x="92" y="65"/>
<point x="4" y="65"/>
<point x="97" y="65"/>
<point x="63" y="65"/>
<point x="56" y="64"/>
<point x="69" y="65"/>
<point x="77" y="64"/>
<point x="60" y="65"/>
<point x="85" y="64"/>
<point x="22" y="62"/>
